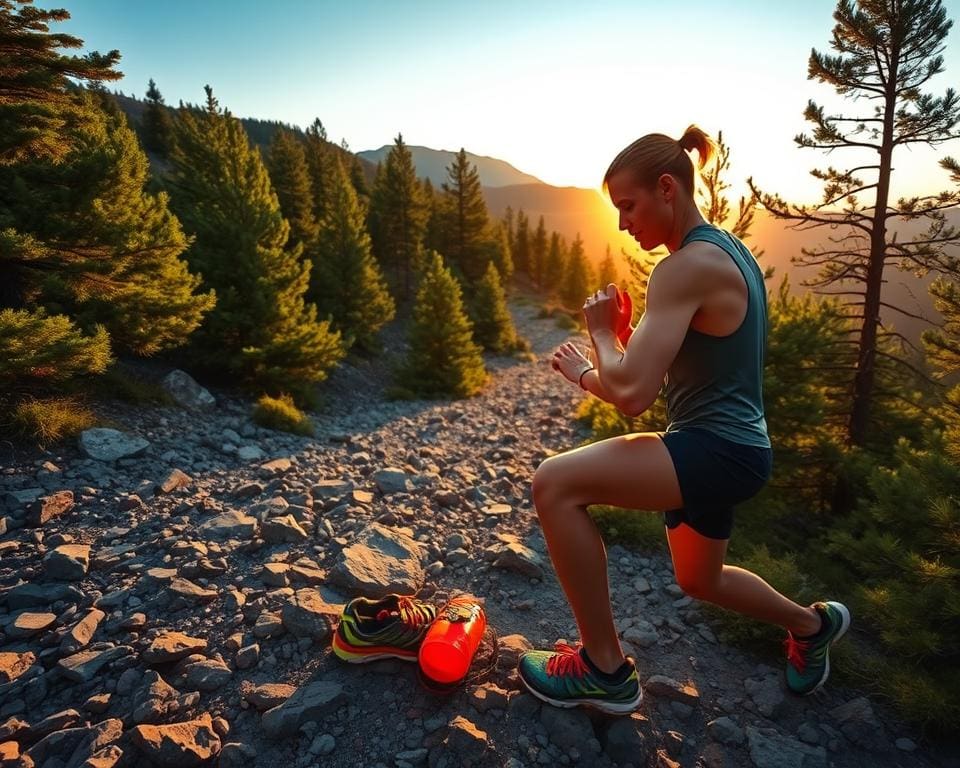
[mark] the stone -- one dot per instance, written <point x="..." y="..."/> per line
<point x="187" y="393"/>
<point x="173" y="480"/>
<point x="82" y="632"/>
<point x="488" y="696"/>
<point x="13" y="664"/>
<point x="40" y="595"/>
<point x="104" y="444"/>
<point x="27" y="624"/>
<point x="392" y="480"/>
<point x="248" y="656"/>
<point x="282" y="530"/>
<point x="517" y="557"/>
<point x="310" y="702"/>
<point x="73" y="747"/>
<point x="48" y="507"/>
<point x="726" y="731"/>
<point x="567" y="727"/>
<point x="767" y="696"/>
<point x="661" y="686"/>
<point x="380" y="560"/>
<point x="172" y="646"/>
<point x="510" y="649"/>
<point x="206" y="675"/>
<point x="231" y="524"/>
<point x="770" y="749"/>
<point x="178" y="745"/>
<point x="192" y="593"/>
<point x="83" y="666"/>
<point x="858" y="723"/>
<point x="237" y="755"/>
<point x="268" y="695"/>
<point x="625" y="741"/>
<point x="307" y="614"/>
<point x="466" y="741"/>
<point x="250" y="453"/>
<point x="68" y="562"/>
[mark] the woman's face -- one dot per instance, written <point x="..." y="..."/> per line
<point x="646" y="213"/>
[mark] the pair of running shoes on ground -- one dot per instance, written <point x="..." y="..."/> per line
<point x="394" y="626"/>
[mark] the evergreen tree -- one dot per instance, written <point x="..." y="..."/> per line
<point x="555" y="267"/>
<point x="578" y="280"/>
<point x="886" y="52"/>
<point x="398" y="217"/>
<point x="156" y="125"/>
<point x="508" y="223"/>
<point x="346" y="281"/>
<point x="608" y="270"/>
<point x="521" y="245"/>
<point x="492" y="322"/>
<point x="465" y="218"/>
<point x="444" y="360"/>
<point x="88" y="240"/>
<point x="261" y="331"/>
<point x="319" y="155"/>
<point x="36" y="106"/>
<point x="500" y="254"/>
<point x="538" y="254"/>
<point x="433" y="229"/>
<point x="290" y="178"/>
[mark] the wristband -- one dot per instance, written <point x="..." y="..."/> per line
<point x="580" y="380"/>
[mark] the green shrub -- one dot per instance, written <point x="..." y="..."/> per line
<point x="120" y="384"/>
<point x="48" y="420"/>
<point x="282" y="414"/>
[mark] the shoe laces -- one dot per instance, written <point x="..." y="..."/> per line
<point x="796" y="651"/>
<point x="406" y="610"/>
<point x="567" y="660"/>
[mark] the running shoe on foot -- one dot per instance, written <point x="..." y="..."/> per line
<point x="392" y="627"/>
<point x="808" y="658"/>
<point x="567" y="677"/>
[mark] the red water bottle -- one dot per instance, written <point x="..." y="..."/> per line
<point x="447" y="650"/>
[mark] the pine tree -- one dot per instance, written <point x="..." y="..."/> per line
<point x="465" y="218"/>
<point x="444" y="360"/>
<point x="346" y="281"/>
<point x="89" y="241"/>
<point x="500" y="254"/>
<point x="287" y="165"/>
<point x="398" y="217"/>
<point x="492" y="322"/>
<point x="521" y="245"/>
<point x="886" y="52"/>
<point x="538" y="254"/>
<point x="319" y="154"/>
<point x="261" y="331"/>
<point x="156" y="125"/>
<point x="555" y="267"/>
<point x="578" y="280"/>
<point x="608" y="270"/>
<point x="36" y="105"/>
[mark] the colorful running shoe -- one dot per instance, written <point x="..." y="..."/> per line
<point x="565" y="678"/>
<point x="808" y="658"/>
<point x="392" y="627"/>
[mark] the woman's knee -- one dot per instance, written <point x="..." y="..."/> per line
<point x="697" y="583"/>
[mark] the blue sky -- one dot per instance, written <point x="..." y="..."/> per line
<point x="556" y="89"/>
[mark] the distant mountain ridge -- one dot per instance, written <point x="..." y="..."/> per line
<point x="432" y="164"/>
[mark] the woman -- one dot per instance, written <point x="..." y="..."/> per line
<point x="702" y="335"/>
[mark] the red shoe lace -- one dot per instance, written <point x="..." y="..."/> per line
<point x="407" y="612"/>
<point x="566" y="660"/>
<point x="796" y="651"/>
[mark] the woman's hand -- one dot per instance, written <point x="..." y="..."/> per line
<point x="570" y="361"/>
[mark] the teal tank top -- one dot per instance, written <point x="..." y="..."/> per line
<point x="716" y="382"/>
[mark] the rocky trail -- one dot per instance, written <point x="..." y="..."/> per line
<point x="171" y="603"/>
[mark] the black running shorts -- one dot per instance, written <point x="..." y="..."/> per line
<point x="714" y="474"/>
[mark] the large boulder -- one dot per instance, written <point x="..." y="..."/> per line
<point x="380" y="560"/>
<point x="104" y="444"/>
<point x="186" y="392"/>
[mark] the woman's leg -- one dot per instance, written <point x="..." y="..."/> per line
<point x="632" y="471"/>
<point x="701" y="573"/>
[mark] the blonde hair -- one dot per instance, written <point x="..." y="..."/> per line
<point x="655" y="154"/>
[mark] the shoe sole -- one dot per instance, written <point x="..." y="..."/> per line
<point x="612" y="708"/>
<point x="844" y="626"/>
<point x="353" y="654"/>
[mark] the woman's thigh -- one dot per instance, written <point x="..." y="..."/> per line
<point x="632" y="471"/>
